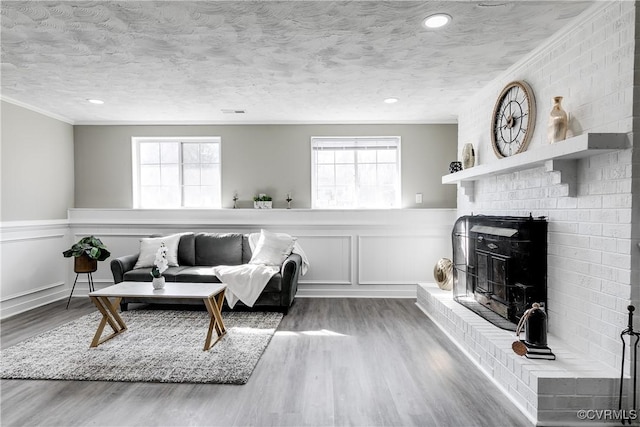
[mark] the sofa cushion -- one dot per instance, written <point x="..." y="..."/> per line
<point x="149" y="247"/>
<point x="218" y="249"/>
<point x="246" y="248"/>
<point x="187" y="249"/>
<point x="144" y="274"/>
<point x="197" y="275"/>
<point x="272" y="248"/>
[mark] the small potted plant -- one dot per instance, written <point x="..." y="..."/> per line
<point x="262" y="201"/>
<point x="87" y="252"/>
<point x="160" y="264"/>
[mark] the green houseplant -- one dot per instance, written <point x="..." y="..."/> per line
<point x="87" y="252"/>
<point x="262" y="201"/>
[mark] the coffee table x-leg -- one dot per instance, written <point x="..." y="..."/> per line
<point x="111" y="316"/>
<point x="214" y="304"/>
<point x="213" y="301"/>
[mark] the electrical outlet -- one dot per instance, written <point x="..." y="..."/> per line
<point x="419" y="198"/>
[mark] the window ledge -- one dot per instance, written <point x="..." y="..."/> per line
<point x="560" y="157"/>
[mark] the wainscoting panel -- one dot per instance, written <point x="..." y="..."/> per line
<point x="352" y="253"/>
<point x="332" y="260"/>
<point x="400" y="260"/>
<point x="33" y="272"/>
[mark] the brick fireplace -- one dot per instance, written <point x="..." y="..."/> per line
<point x="500" y="266"/>
<point x="593" y="259"/>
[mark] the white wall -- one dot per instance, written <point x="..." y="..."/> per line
<point x="36" y="190"/>
<point x="37" y="165"/>
<point x="592" y="241"/>
<point x="272" y="159"/>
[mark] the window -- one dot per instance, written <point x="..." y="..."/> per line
<point x="176" y="172"/>
<point x="355" y="172"/>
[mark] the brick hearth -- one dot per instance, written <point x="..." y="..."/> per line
<point x="549" y="392"/>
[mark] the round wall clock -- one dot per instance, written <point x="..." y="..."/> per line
<point x="513" y="119"/>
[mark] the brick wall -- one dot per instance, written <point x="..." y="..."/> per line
<point x="592" y="253"/>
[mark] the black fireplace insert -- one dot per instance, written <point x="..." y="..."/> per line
<point x="500" y="266"/>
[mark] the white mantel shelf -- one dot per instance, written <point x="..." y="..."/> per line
<point x="561" y="157"/>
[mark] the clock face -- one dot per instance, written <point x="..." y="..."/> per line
<point x="513" y="120"/>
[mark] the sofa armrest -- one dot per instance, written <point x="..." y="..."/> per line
<point x="121" y="265"/>
<point x="290" y="271"/>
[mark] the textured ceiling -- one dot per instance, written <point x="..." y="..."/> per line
<point x="295" y="61"/>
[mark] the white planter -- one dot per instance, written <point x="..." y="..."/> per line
<point x="262" y="205"/>
<point x="158" y="282"/>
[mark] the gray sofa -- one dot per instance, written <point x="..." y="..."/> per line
<point x="199" y="252"/>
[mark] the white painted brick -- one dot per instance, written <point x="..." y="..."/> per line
<point x="602" y="187"/>
<point x="616" y="260"/>
<point x="616" y="230"/>
<point x="590" y="202"/>
<point x="624" y="216"/>
<point x="591" y="229"/>
<point x="557" y="386"/>
<point x="579" y="215"/>
<point x="593" y="253"/>
<point x="617" y="200"/>
<point x="605" y="244"/>
<point x="604" y="216"/>
<point x="568" y="203"/>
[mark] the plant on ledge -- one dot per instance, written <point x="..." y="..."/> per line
<point x="262" y="201"/>
<point x="90" y="246"/>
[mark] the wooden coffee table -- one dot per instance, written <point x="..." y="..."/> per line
<point x="211" y="293"/>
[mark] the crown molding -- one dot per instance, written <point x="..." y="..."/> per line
<point x="264" y="123"/>
<point x="37" y="110"/>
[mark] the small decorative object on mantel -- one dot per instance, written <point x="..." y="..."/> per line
<point x="160" y="264"/>
<point x="634" y="352"/>
<point x="558" y="122"/>
<point x="455" y="167"/>
<point x="289" y="200"/>
<point x="534" y="346"/>
<point x="262" y="201"/>
<point x="468" y="156"/>
<point x="443" y="273"/>
<point x="235" y="199"/>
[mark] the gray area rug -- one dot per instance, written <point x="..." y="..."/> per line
<point x="158" y="346"/>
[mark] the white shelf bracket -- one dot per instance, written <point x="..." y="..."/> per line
<point x="468" y="189"/>
<point x="568" y="173"/>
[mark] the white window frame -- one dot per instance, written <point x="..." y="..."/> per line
<point x="135" y="163"/>
<point x="392" y="140"/>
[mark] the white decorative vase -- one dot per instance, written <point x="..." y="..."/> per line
<point x="558" y="122"/>
<point x="468" y="156"/>
<point x="158" y="282"/>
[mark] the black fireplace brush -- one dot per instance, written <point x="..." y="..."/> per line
<point x="629" y="331"/>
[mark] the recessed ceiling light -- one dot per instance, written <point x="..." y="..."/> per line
<point x="391" y="100"/>
<point x="436" y="21"/>
<point x="96" y="101"/>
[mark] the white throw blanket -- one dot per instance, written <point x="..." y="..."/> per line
<point x="246" y="282"/>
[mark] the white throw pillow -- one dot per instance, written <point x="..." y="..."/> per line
<point x="272" y="248"/>
<point x="149" y="247"/>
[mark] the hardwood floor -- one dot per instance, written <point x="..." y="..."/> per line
<point x="332" y="362"/>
